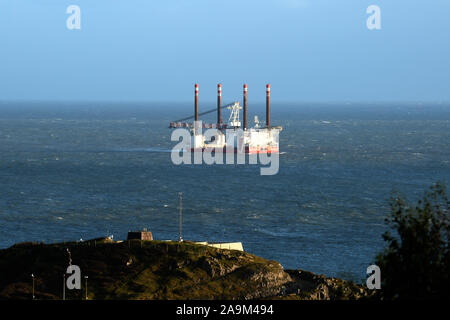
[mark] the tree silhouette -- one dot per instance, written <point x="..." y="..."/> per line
<point x="416" y="262"/>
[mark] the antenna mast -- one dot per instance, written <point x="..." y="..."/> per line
<point x="181" y="217"/>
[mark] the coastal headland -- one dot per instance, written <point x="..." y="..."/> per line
<point x="137" y="269"/>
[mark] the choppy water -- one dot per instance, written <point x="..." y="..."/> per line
<point x="81" y="171"/>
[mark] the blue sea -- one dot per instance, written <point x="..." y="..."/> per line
<point x="71" y="171"/>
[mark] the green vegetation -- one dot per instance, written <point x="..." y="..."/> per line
<point x="416" y="263"/>
<point x="138" y="270"/>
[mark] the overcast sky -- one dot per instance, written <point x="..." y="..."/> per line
<point x="309" y="50"/>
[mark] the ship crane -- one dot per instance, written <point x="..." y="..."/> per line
<point x="234" y="115"/>
<point x="181" y="122"/>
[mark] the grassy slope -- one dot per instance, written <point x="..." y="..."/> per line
<point x="135" y="270"/>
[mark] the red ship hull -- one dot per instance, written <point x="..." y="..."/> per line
<point x="248" y="150"/>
